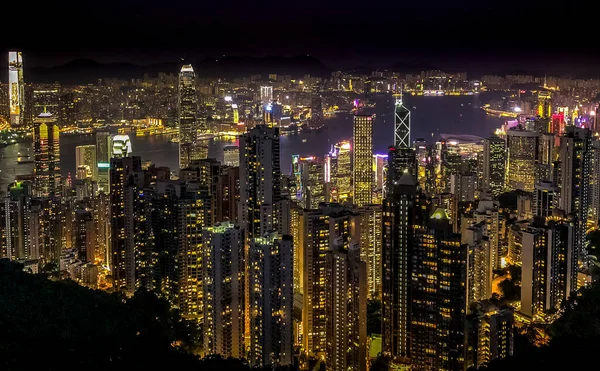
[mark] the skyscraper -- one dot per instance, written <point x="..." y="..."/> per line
<point x="85" y="236"/>
<point x="103" y="155"/>
<point x="370" y="246"/>
<point x="121" y="146"/>
<point x="16" y="89"/>
<point x="400" y="161"/>
<point x="85" y="160"/>
<point x="338" y="172"/>
<point x="260" y="181"/>
<point x="125" y="179"/>
<point x="271" y="298"/>
<point x="346" y="295"/>
<point x="544" y="199"/>
<point x="188" y="109"/>
<point x="401" y="124"/>
<point x="575" y="162"/>
<point x="362" y="156"/>
<point x="490" y="334"/>
<point x="494" y="165"/>
<point x="522" y="156"/>
<point x="313" y="182"/>
<point x="46" y="147"/>
<point x="479" y="264"/>
<point x="266" y="95"/>
<point x="223" y="302"/>
<point x="14" y="222"/>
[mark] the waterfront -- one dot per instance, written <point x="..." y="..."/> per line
<point x="431" y="116"/>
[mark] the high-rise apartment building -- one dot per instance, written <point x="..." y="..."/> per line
<point x="223" y="302"/>
<point x="362" y="156"/>
<point x="46" y="147"/>
<point x="346" y="295"/>
<point x="370" y="246"/>
<point x="271" y="298"/>
<point x="490" y="334"/>
<point x="479" y="264"/>
<point x="188" y="110"/>
<point x="544" y="199"/>
<point x="260" y="181"/>
<point x="16" y="89"/>
<point x="85" y="236"/>
<point x="494" y="165"/>
<point x="489" y="212"/>
<point x="575" y="170"/>
<point x="14" y="222"/>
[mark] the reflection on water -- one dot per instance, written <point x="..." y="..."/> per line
<point x="430" y="117"/>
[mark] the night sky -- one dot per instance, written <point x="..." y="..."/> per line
<point x="486" y="35"/>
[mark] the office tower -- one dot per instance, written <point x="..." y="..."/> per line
<point x="85" y="159"/>
<point x="188" y="109"/>
<point x="494" y="165"/>
<point x="104" y="147"/>
<point x="46" y="147"/>
<point x="595" y="183"/>
<point x="313" y="182"/>
<point x="401" y="211"/>
<point x="125" y="180"/>
<point x="370" y="246"/>
<point x="544" y="199"/>
<point x="266" y="95"/>
<point x="489" y="212"/>
<point x="224" y="277"/>
<point x="14" y="222"/>
<point x="548" y="269"/>
<point x="16" y="89"/>
<point x="85" y="236"/>
<point x="557" y="127"/>
<point x="346" y="294"/>
<point x="319" y="229"/>
<point x="231" y="155"/>
<point x="575" y="161"/>
<point x="522" y="156"/>
<point x="121" y="146"/>
<point x="271" y="298"/>
<point x="316" y="109"/>
<point x="380" y="172"/>
<point x="400" y="161"/>
<point x="543" y="171"/>
<point x="44" y="97"/>
<point x="228" y="194"/>
<point x="462" y="186"/>
<point x="490" y="334"/>
<point x="194" y="212"/>
<point x="401" y="124"/>
<point x="338" y="172"/>
<point x="479" y="264"/>
<point x="260" y="181"/>
<point x="362" y="159"/>
<point x="544" y="106"/>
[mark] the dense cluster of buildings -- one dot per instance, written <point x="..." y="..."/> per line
<point x="277" y="268"/>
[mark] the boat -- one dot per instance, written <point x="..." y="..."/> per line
<point x="24" y="160"/>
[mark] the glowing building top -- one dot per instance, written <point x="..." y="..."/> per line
<point x="121" y="146"/>
<point x="16" y="91"/>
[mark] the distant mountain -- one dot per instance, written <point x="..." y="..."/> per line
<point x="85" y="71"/>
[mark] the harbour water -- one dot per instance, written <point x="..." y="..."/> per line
<point x="430" y="117"/>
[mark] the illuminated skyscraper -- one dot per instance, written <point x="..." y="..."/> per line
<point x="85" y="159"/>
<point x="266" y="95"/>
<point x="370" y="246"/>
<point x="188" y="110"/>
<point x="125" y="180"/>
<point x="224" y="277"/>
<point x="544" y="199"/>
<point x="490" y="334"/>
<point x="346" y="308"/>
<point x="271" y="298"/>
<point x="260" y="181"/>
<point x="401" y="124"/>
<point x="489" y="212"/>
<point x="14" y="223"/>
<point x="319" y="230"/>
<point x="46" y="146"/>
<point x="595" y="183"/>
<point x="549" y="275"/>
<point x="522" y="156"/>
<point x="575" y="167"/>
<point x="544" y="107"/>
<point x="480" y="269"/>
<point x="121" y="146"/>
<point x="16" y="89"/>
<point x="494" y="165"/>
<point x="338" y="172"/>
<point x="400" y="161"/>
<point x="103" y="155"/>
<point x="362" y="155"/>
<point x="424" y="274"/>
<point x="313" y="182"/>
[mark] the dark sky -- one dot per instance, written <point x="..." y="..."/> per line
<point x="478" y="34"/>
